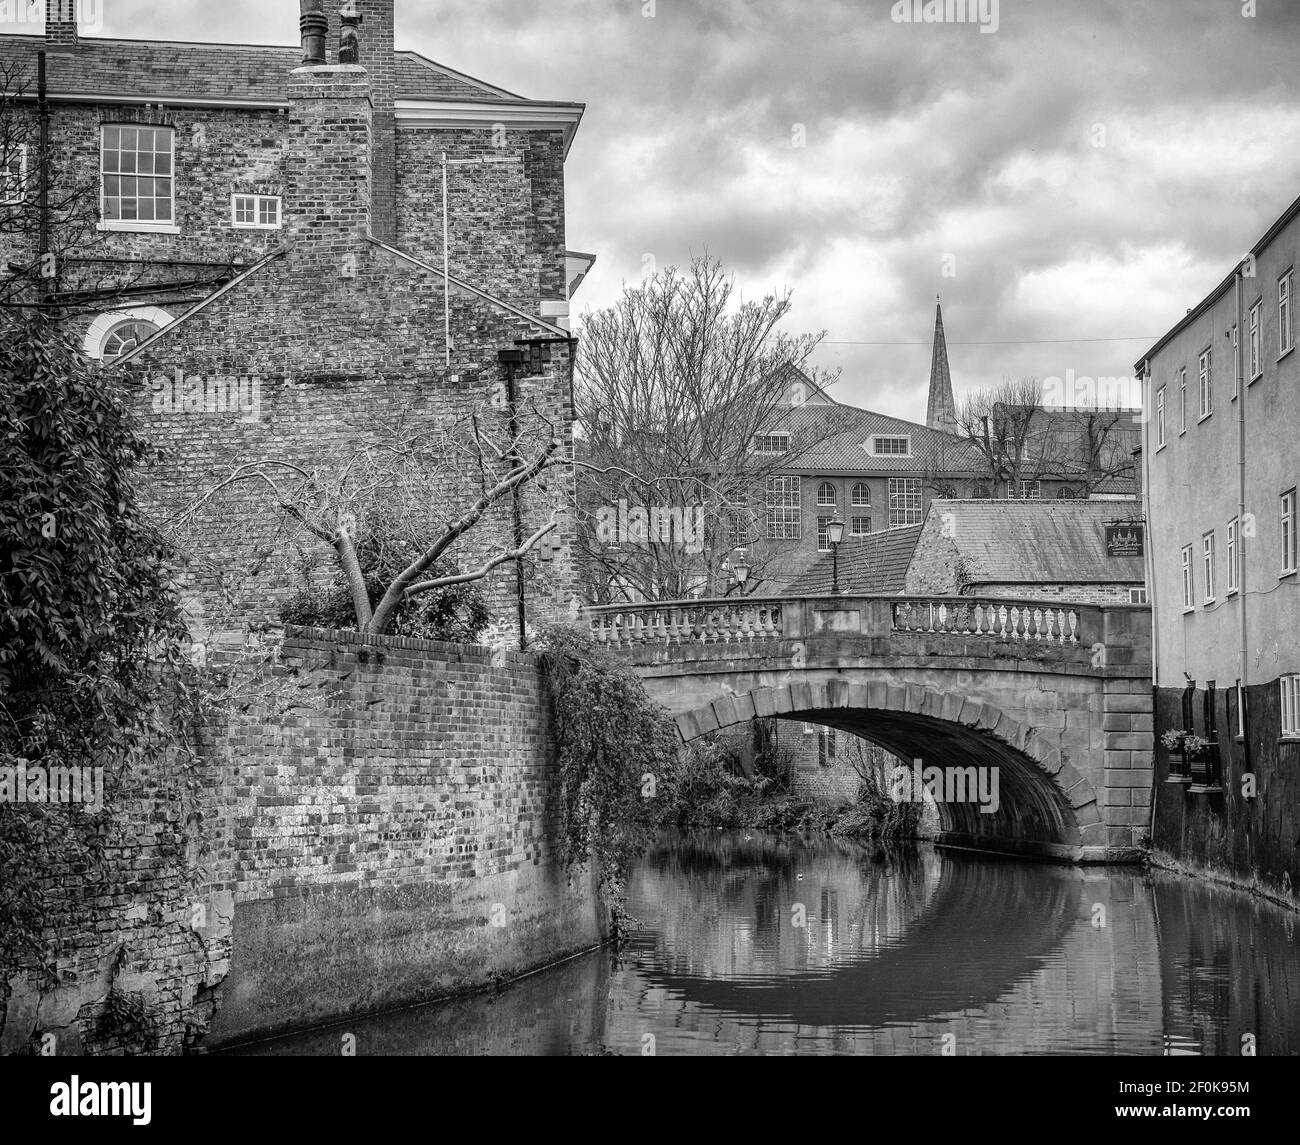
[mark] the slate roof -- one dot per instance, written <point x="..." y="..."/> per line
<point x="874" y="563"/>
<point x="242" y="73"/>
<point x="1037" y="542"/>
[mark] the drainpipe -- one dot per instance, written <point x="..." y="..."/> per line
<point x="446" y="282"/>
<point x="43" y="200"/>
<point x="1243" y="678"/>
<point x="1149" y="567"/>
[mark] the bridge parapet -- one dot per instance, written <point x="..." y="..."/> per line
<point x="1088" y="636"/>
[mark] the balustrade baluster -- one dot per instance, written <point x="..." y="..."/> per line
<point x="1074" y="625"/>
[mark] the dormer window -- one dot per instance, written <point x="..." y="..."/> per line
<point x="772" y="443"/>
<point x="882" y="446"/>
<point x="136" y="178"/>
<point x="259" y="212"/>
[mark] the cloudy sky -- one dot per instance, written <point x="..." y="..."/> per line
<point x="1070" y="183"/>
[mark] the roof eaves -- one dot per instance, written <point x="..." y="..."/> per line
<point x="1218" y="292"/>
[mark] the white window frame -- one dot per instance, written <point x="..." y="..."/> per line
<point x="1207" y="565"/>
<point x="93" y="343"/>
<point x="1254" y="359"/>
<point x="257" y="201"/>
<point x="824" y="534"/>
<point x="863" y="502"/>
<point x="1137" y="595"/>
<point x="1205" y="379"/>
<point x="1189" y="581"/>
<point x="901" y="492"/>
<point x="1288" y="532"/>
<point x="784" y="516"/>
<point x="854" y="531"/>
<point x="1230" y="555"/>
<point x="1029" y="490"/>
<point x="822" y="503"/>
<point x="763" y="443"/>
<point x="1182" y="400"/>
<point x="148" y="226"/>
<point x="1160" y="418"/>
<point x="16" y="177"/>
<point x="873" y="445"/>
<point x="1289" y="686"/>
<point x="1285" y="331"/>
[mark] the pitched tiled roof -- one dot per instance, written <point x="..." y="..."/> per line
<point x="874" y="563"/>
<point x="240" y="73"/>
<point x="1037" y="542"/>
<point x="844" y="450"/>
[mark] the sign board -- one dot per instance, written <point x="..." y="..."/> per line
<point x="1125" y="540"/>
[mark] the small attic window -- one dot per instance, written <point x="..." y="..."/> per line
<point x="882" y="446"/>
<point x="259" y="212"/>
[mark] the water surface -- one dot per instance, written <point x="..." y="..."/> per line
<point x="761" y="944"/>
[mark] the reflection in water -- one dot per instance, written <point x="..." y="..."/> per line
<point x="777" y="945"/>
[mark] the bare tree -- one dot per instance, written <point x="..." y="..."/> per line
<point x="673" y="385"/>
<point x="399" y="484"/>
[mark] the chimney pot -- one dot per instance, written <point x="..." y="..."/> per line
<point x="314" y="25"/>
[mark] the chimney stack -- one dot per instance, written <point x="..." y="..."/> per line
<point x="61" y="25"/>
<point x="371" y="29"/>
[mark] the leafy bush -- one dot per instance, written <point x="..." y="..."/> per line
<point x="457" y="612"/>
<point x="85" y="605"/>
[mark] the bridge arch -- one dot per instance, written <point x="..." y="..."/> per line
<point x="1044" y="806"/>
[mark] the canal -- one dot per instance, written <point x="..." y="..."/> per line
<point x="763" y="944"/>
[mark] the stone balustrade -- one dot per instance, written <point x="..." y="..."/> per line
<point x="998" y="620"/>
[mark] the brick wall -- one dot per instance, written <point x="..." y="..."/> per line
<point x="377" y="829"/>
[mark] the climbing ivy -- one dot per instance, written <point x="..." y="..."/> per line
<point x="615" y="746"/>
<point x="88" y="618"/>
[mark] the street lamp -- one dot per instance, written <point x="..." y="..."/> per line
<point x="835" y="534"/>
<point x="738" y="569"/>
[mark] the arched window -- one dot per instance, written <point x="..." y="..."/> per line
<point x="861" y="495"/>
<point x="118" y="332"/>
<point x="123" y="337"/>
<point x="981" y="490"/>
<point x="1067" y="493"/>
<point x="826" y="494"/>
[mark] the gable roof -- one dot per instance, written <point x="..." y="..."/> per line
<point x="178" y="71"/>
<point x="875" y="563"/>
<point x="843" y="450"/>
<point x="1036" y="542"/>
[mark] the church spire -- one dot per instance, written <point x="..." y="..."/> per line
<point x="941" y="409"/>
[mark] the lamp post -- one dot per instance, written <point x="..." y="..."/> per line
<point x="740" y="570"/>
<point x="835" y="534"/>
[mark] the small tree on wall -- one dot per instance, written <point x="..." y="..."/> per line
<point x="380" y="512"/>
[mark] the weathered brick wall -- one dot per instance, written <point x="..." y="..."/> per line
<point x="377" y="828"/>
<point x="131" y="928"/>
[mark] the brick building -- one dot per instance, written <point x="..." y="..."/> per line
<point x="268" y="264"/>
<point x="1222" y="392"/>
<point x="878" y="473"/>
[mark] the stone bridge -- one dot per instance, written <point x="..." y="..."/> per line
<point x="1056" y="697"/>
